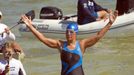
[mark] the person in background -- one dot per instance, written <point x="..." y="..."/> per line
<point x="89" y="11"/>
<point x="9" y="65"/>
<point x="71" y="50"/>
<point x="6" y="35"/>
<point x="0" y="15"/>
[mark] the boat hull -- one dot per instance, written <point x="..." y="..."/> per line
<point x="123" y="26"/>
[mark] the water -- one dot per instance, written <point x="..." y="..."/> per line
<point x="110" y="56"/>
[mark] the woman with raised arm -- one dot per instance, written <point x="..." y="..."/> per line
<point x="71" y="51"/>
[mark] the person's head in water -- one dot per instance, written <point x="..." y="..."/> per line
<point x="0" y="15"/>
<point x="71" y="31"/>
<point x="8" y="50"/>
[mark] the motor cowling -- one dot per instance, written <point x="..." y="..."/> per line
<point x="50" y="12"/>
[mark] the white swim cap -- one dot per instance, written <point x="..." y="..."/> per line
<point x="0" y="13"/>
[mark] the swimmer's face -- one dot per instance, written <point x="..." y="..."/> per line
<point x="70" y="35"/>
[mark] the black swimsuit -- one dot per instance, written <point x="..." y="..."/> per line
<point x="71" y="61"/>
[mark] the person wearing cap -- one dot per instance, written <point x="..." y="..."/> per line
<point x="90" y="11"/>
<point x="71" y="51"/>
<point x="6" y="35"/>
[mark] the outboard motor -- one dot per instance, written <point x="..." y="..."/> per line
<point x="50" y="12"/>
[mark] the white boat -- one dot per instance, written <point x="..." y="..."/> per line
<point x="53" y="28"/>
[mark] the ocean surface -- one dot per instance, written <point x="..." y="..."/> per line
<point x="110" y="56"/>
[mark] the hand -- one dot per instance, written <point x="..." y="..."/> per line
<point x="112" y="16"/>
<point x="109" y="10"/>
<point x="26" y="20"/>
<point x="6" y="69"/>
<point x="7" y="31"/>
<point x="0" y="71"/>
<point x="98" y="19"/>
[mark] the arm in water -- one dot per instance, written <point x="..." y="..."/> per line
<point x="47" y="41"/>
<point x="88" y="42"/>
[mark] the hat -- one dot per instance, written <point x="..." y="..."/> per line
<point x="0" y="13"/>
<point x="73" y="26"/>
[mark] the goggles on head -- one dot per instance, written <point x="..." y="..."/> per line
<point x="72" y="26"/>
